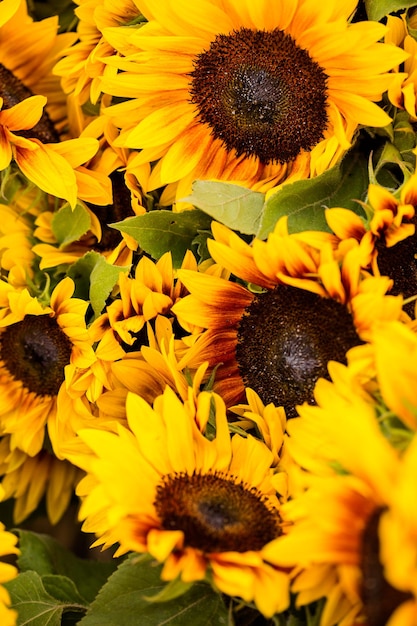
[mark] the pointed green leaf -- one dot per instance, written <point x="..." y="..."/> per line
<point x="163" y="231"/>
<point x="237" y="207"/>
<point x="376" y="9"/>
<point x="63" y="589"/>
<point x="94" y="279"/>
<point x="51" y="560"/>
<point x="102" y="280"/>
<point x="122" y="600"/>
<point x="35" y="606"/>
<point x="69" y="225"/>
<point x="305" y="201"/>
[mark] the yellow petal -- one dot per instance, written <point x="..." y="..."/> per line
<point x="25" y="114"/>
<point x="49" y="171"/>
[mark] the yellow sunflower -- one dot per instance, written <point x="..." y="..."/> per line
<point x="55" y="481"/>
<point x="151" y="292"/>
<point x="163" y="360"/>
<point x="351" y="473"/>
<point x="82" y="65"/>
<point x="312" y="307"/>
<point x="8" y="542"/>
<point x="388" y="239"/>
<point x="36" y="345"/>
<point x="28" y="50"/>
<point x="385" y="369"/>
<point x="16" y="238"/>
<point x="246" y="92"/>
<point x="31" y="126"/>
<point x="402" y="92"/>
<point x="397" y="530"/>
<point x="192" y="502"/>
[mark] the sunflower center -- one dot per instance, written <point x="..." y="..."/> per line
<point x="215" y="513"/>
<point x="399" y="263"/>
<point x="260" y="94"/>
<point x="13" y="91"/>
<point x="35" y="352"/>
<point x="380" y="599"/>
<point x="286" y="338"/>
<point x="116" y="212"/>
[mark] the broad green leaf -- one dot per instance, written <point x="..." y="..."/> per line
<point x="163" y="231"/>
<point x="69" y="225"/>
<point x="102" y="280"/>
<point x="305" y="201"/>
<point x="63" y="589"/>
<point x="94" y="279"/>
<point x="35" y="606"/>
<point x="122" y="600"/>
<point x="51" y="561"/>
<point x="235" y="206"/>
<point x="377" y="9"/>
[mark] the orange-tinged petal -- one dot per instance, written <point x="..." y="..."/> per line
<point x="49" y="171"/>
<point x="76" y="151"/>
<point x="5" y="149"/>
<point x="25" y="114"/>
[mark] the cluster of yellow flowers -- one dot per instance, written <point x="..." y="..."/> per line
<point x="207" y="297"/>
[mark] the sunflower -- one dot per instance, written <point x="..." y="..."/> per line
<point x="163" y="360"/>
<point x="36" y="344"/>
<point x="150" y="292"/>
<point x="310" y="308"/>
<point x="350" y="473"/>
<point x="7" y="572"/>
<point x="388" y="239"/>
<point x="193" y="503"/>
<point x="402" y="92"/>
<point x="31" y="126"/>
<point x="251" y="94"/>
<point x="384" y="367"/>
<point x="397" y="530"/>
<point x="82" y="65"/>
<point x="28" y="50"/>
<point x="55" y="481"/>
<point x="16" y="238"/>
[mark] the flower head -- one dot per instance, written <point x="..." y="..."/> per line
<point x="192" y="502"/>
<point x="312" y="308"/>
<point x="252" y="94"/>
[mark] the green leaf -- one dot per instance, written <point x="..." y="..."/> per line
<point x="123" y="600"/>
<point x="163" y="231"/>
<point x="94" y="279"/>
<point x="69" y="225"/>
<point x="35" y="606"/>
<point x="102" y="280"/>
<point x="63" y="589"/>
<point x="235" y="206"/>
<point x="305" y="201"/>
<point x="377" y="9"/>
<point x="51" y="560"/>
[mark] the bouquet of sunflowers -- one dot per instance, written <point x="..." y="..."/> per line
<point x="208" y="334"/>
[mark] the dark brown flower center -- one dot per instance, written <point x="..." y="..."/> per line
<point x="35" y="352"/>
<point x="380" y="599"/>
<point x="111" y="213"/>
<point x="215" y="513"/>
<point x="286" y="338"/>
<point x="261" y="94"/>
<point x="13" y="91"/>
<point x="399" y="263"/>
